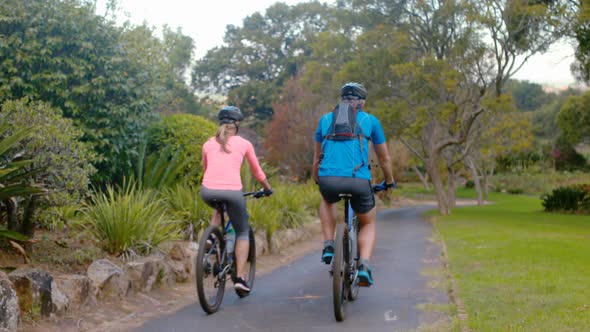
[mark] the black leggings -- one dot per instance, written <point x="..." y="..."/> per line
<point x="236" y="208"/>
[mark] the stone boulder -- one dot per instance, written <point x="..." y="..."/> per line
<point x="146" y="272"/>
<point x="78" y="289"/>
<point x="108" y="279"/>
<point x="9" y="310"/>
<point x="34" y="290"/>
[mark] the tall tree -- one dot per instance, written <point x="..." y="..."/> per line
<point x="259" y="57"/>
<point x="62" y="53"/>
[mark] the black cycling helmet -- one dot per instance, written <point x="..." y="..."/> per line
<point x="229" y="114"/>
<point x="353" y="89"/>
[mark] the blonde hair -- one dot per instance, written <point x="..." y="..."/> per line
<point x="224" y="132"/>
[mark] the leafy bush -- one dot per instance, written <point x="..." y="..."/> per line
<point x="567" y="199"/>
<point x="515" y="191"/>
<point x="187" y="206"/>
<point x="469" y="184"/>
<point x="185" y="133"/>
<point x="128" y="220"/>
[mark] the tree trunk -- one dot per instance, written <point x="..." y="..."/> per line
<point x="476" y="179"/>
<point x="423" y="177"/>
<point x="439" y="188"/>
<point x="28" y="225"/>
<point x="12" y="214"/>
<point x="451" y="192"/>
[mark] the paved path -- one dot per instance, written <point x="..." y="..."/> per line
<point x="298" y="297"/>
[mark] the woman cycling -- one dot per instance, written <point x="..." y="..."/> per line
<point x="223" y="156"/>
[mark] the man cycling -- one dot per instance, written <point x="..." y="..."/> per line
<point x="342" y="166"/>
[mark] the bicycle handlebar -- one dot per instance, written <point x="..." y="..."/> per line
<point x="383" y="186"/>
<point x="259" y="193"/>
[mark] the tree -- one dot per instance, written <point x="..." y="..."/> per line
<point x="262" y="55"/>
<point x="574" y="119"/>
<point x="527" y="96"/>
<point x="59" y="160"/>
<point x="455" y="59"/>
<point x="289" y="135"/>
<point x="62" y="53"/>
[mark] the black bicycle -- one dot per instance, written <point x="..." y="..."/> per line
<point x="345" y="284"/>
<point x="215" y="263"/>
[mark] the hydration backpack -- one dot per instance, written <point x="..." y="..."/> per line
<point x="344" y="126"/>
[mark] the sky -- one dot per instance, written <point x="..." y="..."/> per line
<point x="205" y="22"/>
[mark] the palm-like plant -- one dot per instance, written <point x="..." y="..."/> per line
<point x="13" y="175"/>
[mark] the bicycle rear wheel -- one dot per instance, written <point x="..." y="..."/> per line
<point x="353" y="289"/>
<point x="250" y="267"/>
<point x="251" y="262"/>
<point x="210" y="285"/>
<point x="339" y="280"/>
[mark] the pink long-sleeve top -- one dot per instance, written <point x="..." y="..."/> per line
<point x="222" y="170"/>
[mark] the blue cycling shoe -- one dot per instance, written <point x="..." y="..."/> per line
<point x="365" y="276"/>
<point x="327" y="254"/>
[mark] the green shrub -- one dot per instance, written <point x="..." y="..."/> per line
<point x="185" y="133"/>
<point x="567" y="199"/>
<point x="469" y="184"/>
<point x="187" y="206"/>
<point x="515" y="191"/>
<point x="128" y="220"/>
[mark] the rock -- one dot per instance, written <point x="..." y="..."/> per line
<point x="147" y="272"/>
<point x="34" y="289"/>
<point x="9" y="310"/>
<point x="60" y="302"/>
<point x="261" y="243"/>
<point x="108" y="279"/>
<point x="178" y="252"/>
<point x="192" y="250"/>
<point x="78" y="289"/>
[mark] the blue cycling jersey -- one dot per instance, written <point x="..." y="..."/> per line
<point x="347" y="158"/>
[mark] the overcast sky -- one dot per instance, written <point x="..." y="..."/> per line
<point x="205" y="22"/>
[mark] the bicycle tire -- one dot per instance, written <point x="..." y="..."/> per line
<point x="250" y="265"/>
<point x="206" y="268"/>
<point x="339" y="274"/>
<point x="251" y="262"/>
<point x="353" y="290"/>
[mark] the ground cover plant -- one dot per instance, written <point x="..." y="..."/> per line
<point x="518" y="268"/>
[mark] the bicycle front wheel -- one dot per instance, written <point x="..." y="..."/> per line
<point x="209" y="266"/>
<point x="339" y="271"/>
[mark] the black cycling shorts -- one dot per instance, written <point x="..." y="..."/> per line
<point x="236" y="208"/>
<point x="362" y="200"/>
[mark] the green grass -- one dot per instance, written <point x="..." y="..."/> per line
<point x="518" y="268"/>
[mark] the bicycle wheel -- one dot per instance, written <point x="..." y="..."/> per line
<point x="210" y="285"/>
<point x="250" y="266"/>
<point x="353" y="289"/>
<point x="339" y="288"/>
<point x="251" y="262"/>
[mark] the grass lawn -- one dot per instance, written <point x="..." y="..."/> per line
<point x="518" y="268"/>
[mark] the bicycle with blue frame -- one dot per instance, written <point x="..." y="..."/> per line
<point x="215" y="262"/>
<point x="345" y="283"/>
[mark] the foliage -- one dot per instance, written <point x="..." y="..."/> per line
<point x="127" y="220"/>
<point x="187" y="206"/>
<point x="161" y="169"/>
<point x="289" y="138"/>
<point x="55" y="147"/>
<point x="566" y="157"/>
<point x="261" y="55"/>
<point x="62" y="53"/>
<point x="574" y="198"/>
<point x="59" y="217"/>
<point x="574" y="118"/>
<point x="518" y="268"/>
<point x="12" y="176"/>
<point x="185" y="134"/>
<point x="527" y="96"/>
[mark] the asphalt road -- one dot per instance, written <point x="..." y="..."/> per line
<point x="298" y="297"/>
